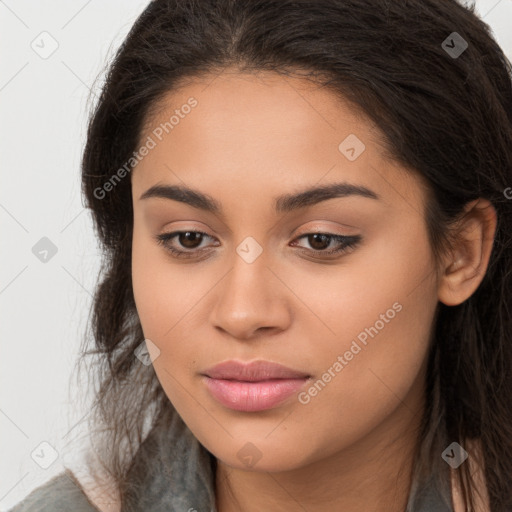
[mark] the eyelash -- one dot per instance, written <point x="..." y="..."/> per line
<point x="346" y="243"/>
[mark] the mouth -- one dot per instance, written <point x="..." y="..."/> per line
<point x="256" y="386"/>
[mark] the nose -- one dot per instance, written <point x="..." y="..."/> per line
<point x="251" y="299"/>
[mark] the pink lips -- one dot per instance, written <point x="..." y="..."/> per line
<point x="256" y="386"/>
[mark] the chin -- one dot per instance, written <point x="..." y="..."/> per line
<point x="263" y="457"/>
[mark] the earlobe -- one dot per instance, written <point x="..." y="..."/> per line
<point x="466" y="265"/>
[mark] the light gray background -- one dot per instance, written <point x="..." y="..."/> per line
<point x="43" y="114"/>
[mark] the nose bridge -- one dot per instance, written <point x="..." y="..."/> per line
<point x="249" y="297"/>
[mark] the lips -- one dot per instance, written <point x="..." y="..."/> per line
<point x="256" y="386"/>
<point x="253" y="372"/>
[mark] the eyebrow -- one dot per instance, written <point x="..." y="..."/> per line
<point x="282" y="204"/>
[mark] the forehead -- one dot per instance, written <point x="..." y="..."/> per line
<point x="261" y="103"/>
<point x="262" y="130"/>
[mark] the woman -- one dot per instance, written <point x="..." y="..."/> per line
<point x="305" y="301"/>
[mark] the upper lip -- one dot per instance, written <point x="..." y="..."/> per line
<point x="252" y="372"/>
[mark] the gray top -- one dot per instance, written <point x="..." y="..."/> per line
<point x="180" y="479"/>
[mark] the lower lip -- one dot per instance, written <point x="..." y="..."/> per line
<point x="253" y="396"/>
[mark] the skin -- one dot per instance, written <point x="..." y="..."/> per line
<point x="250" y="139"/>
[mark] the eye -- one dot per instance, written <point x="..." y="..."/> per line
<point x="320" y="242"/>
<point x="187" y="239"/>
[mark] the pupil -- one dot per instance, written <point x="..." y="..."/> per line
<point x="315" y="238"/>
<point x="189" y="243"/>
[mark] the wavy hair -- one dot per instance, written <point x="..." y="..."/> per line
<point x="449" y="120"/>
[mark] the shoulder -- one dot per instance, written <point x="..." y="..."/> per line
<point x="61" y="494"/>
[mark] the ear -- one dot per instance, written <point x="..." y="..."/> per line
<point x="465" y="266"/>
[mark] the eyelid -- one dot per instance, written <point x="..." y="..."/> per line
<point x="302" y="232"/>
<point x="327" y="227"/>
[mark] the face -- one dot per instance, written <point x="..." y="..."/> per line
<point x="338" y="287"/>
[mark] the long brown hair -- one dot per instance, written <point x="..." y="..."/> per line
<point x="447" y="118"/>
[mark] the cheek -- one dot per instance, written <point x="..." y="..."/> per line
<point x="172" y="301"/>
<point x="380" y="317"/>
<point x="163" y="296"/>
<point x="377" y="380"/>
<point x="163" y="291"/>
